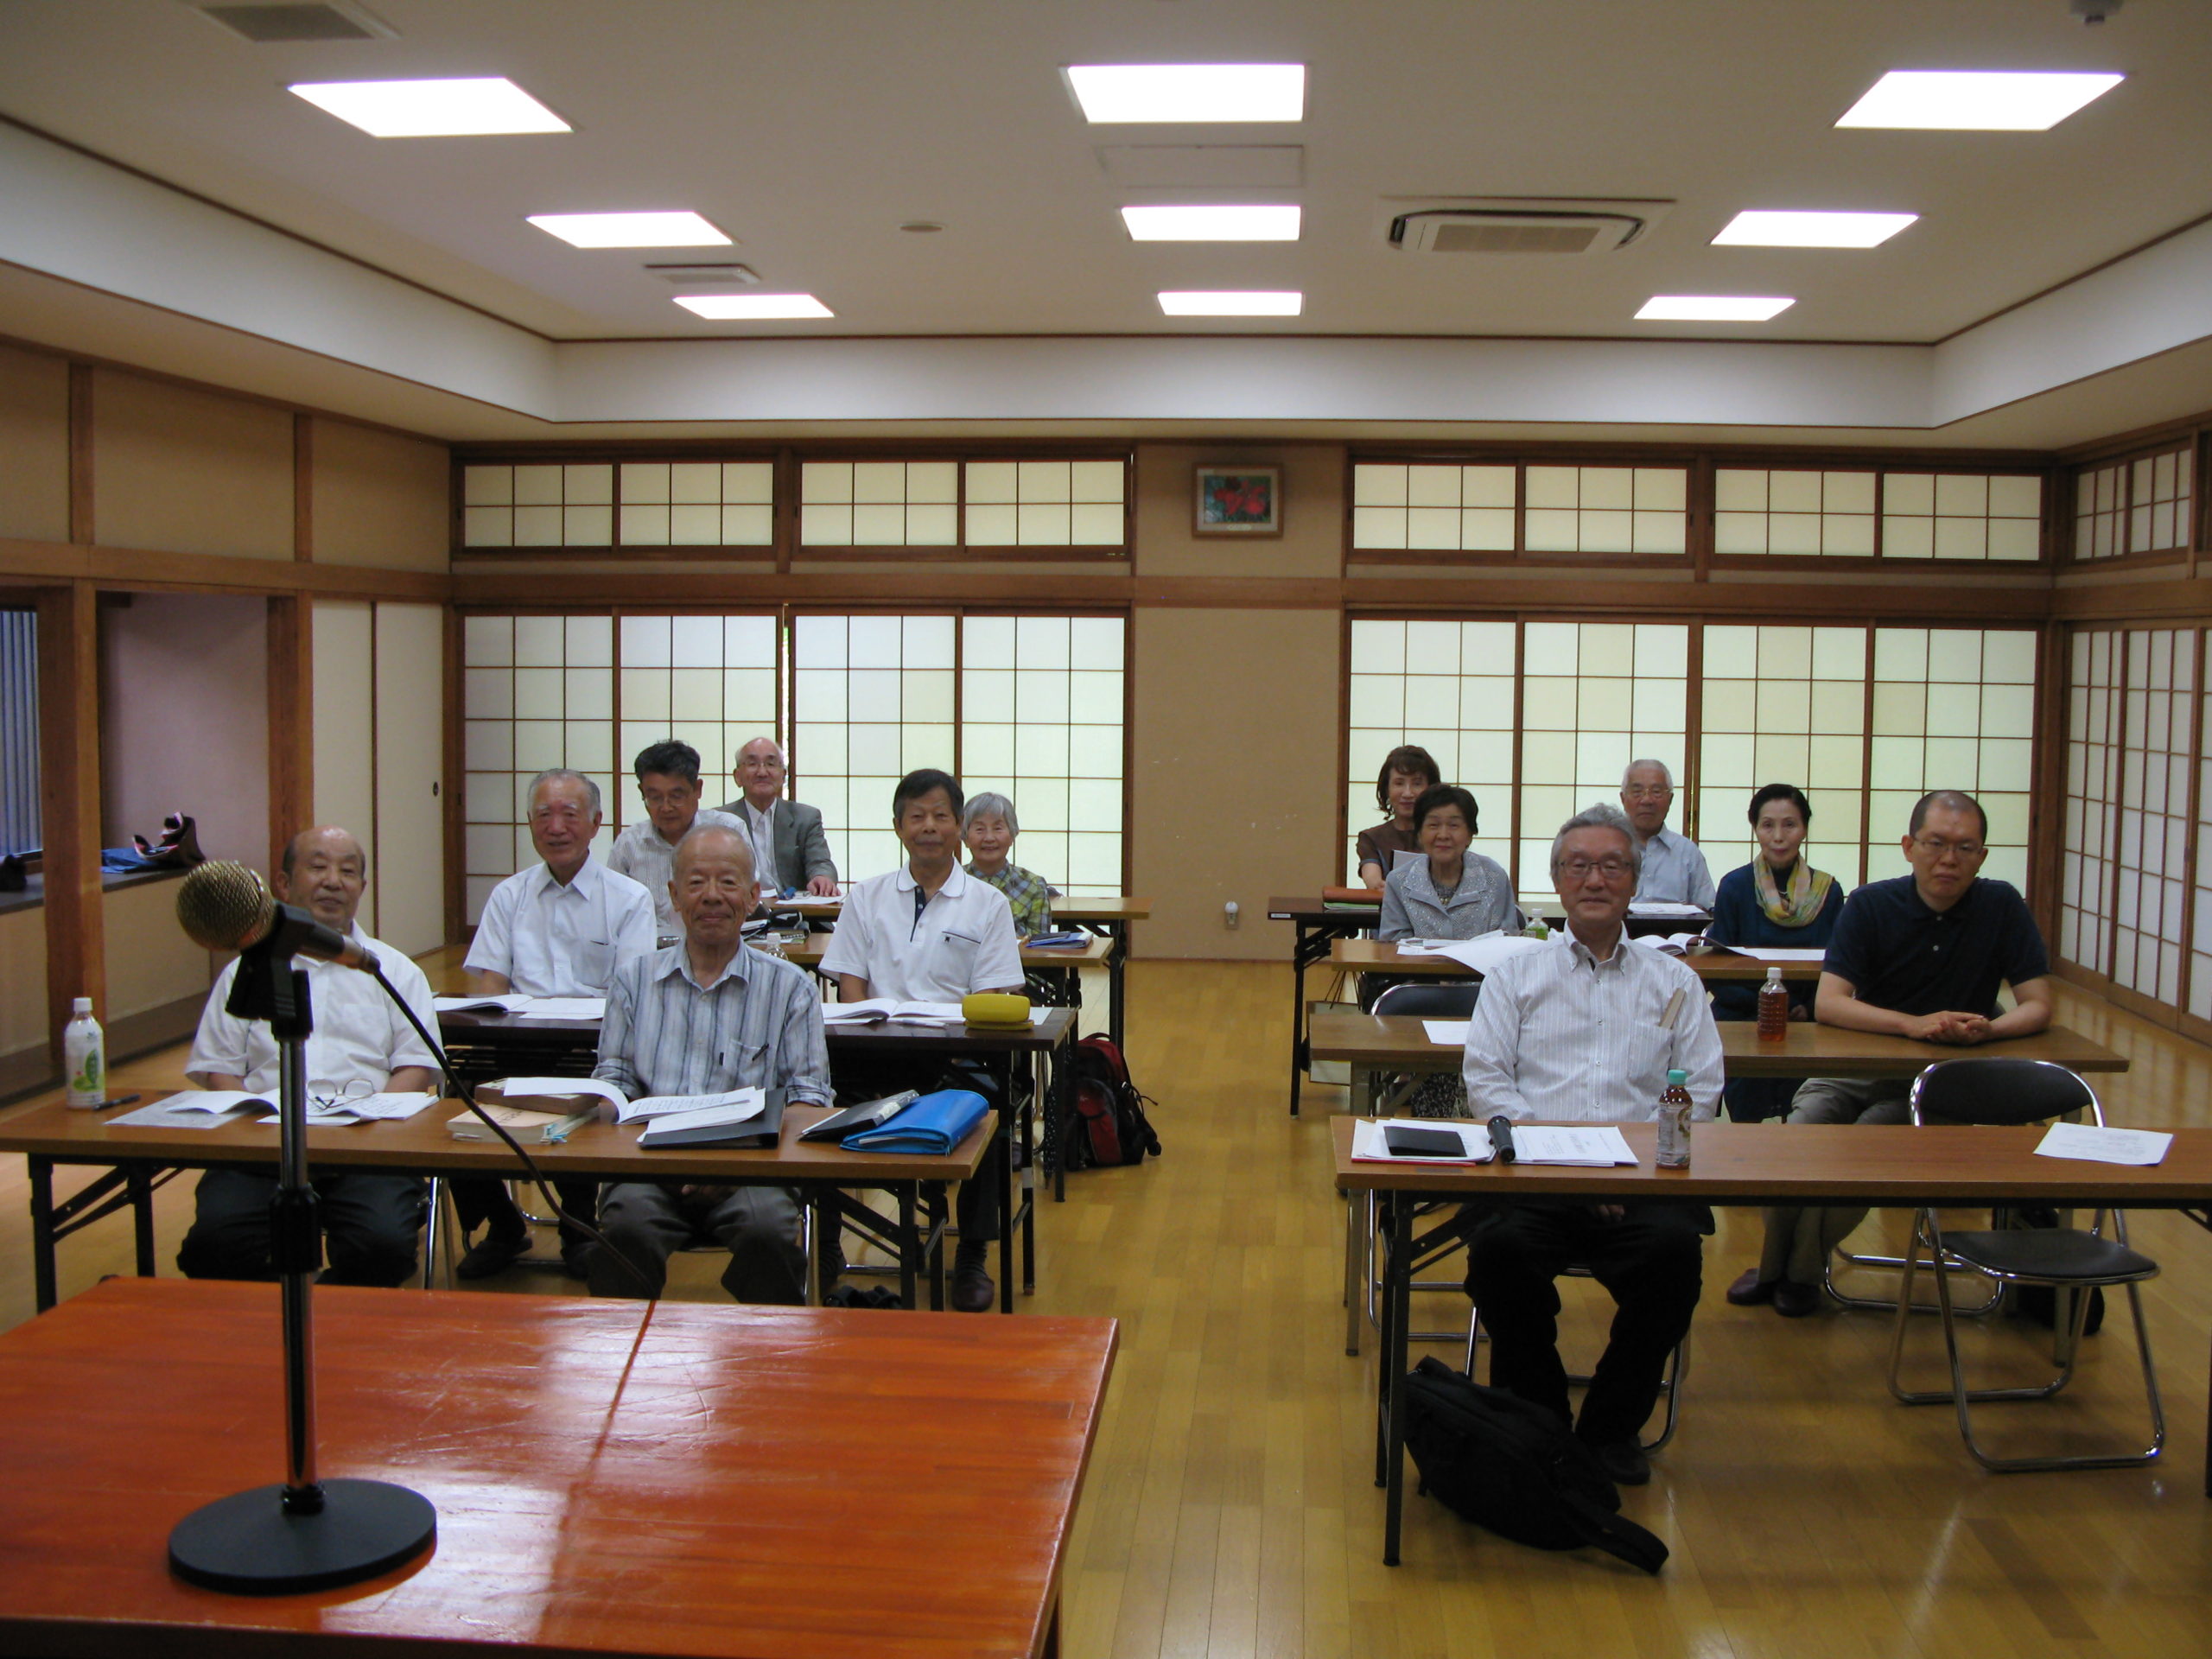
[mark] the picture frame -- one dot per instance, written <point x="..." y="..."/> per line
<point x="1237" y="501"/>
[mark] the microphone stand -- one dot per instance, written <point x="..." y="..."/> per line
<point x="308" y="1534"/>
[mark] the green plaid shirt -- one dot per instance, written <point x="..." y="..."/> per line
<point x="1027" y="894"/>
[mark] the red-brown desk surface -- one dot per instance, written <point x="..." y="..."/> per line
<point x="693" y="1480"/>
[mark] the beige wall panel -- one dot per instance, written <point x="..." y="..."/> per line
<point x="410" y="891"/>
<point x="189" y="472"/>
<point x="23" y="980"/>
<point x="1232" y="778"/>
<point x="33" y="446"/>
<point x="150" y="963"/>
<point x="379" y="499"/>
<point x="345" y="767"/>
<point x="1311" y="542"/>
<point x="184" y="720"/>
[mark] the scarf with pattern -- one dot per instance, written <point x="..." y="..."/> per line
<point x="1801" y="902"/>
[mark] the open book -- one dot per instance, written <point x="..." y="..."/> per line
<point x="878" y="1010"/>
<point x="527" y="1007"/>
<point x="568" y="1093"/>
<point x="1670" y="945"/>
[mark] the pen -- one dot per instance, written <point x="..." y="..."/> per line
<point x="1674" y="1007"/>
<point x="120" y="1100"/>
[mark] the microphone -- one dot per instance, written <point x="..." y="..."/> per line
<point x="1501" y="1137"/>
<point x="224" y="906"/>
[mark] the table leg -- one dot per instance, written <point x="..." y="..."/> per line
<point x="1390" y="1391"/>
<point x="1059" y="1077"/>
<point x="1005" y="1187"/>
<point x="1117" y="954"/>
<point x="937" y="1207"/>
<point x="825" y="1212"/>
<point x="42" y="1276"/>
<point x="140" y="1182"/>
<point x="1358" y="1207"/>
<point x="910" y="1245"/>
<point x="1298" y="1048"/>
<point x="1038" y="1098"/>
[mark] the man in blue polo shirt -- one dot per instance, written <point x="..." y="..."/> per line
<point x="1919" y="955"/>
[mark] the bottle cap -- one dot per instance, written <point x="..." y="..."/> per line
<point x="1773" y="972"/>
<point x="82" y="1005"/>
<point x="1674" y="1078"/>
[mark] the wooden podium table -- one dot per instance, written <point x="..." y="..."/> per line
<point x="1745" y="1163"/>
<point x="610" y="1477"/>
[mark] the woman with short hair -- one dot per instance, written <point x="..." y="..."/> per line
<point x="1408" y="770"/>
<point x="988" y="826"/>
<point x="1450" y="893"/>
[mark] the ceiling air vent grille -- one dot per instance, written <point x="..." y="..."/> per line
<point x="1504" y="225"/>
<point x="277" y="25"/>
<point x="1512" y="237"/>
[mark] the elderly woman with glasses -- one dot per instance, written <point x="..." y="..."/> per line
<point x="989" y="827"/>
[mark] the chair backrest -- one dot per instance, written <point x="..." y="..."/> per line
<point x="1452" y="999"/>
<point x="2001" y="1091"/>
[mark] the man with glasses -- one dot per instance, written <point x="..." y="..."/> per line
<point x="668" y="783"/>
<point x="790" y="847"/>
<point x="1674" y="869"/>
<point x="1919" y="955"/>
<point x="1586" y="1031"/>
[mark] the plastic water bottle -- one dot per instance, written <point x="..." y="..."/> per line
<point x="1537" y="929"/>
<point x="1675" y="1122"/>
<point x="84" y="1053"/>
<point x="1774" y="1008"/>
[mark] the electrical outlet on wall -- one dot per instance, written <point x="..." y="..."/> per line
<point x="1229" y="915"/>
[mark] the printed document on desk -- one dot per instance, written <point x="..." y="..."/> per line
<point x="194" y="1109"/>
<point x="557" y="1092"/>
<point x="2085" y="1141"/>
<point x="1369" y="1144"/>
<point x="878" y="1010"/>
<point x="1781" y="953"/>
<point x="1659" y="908"/>
<point x="1584" y="1145"/>
<point x="1483" y="953"/>
<point x="1447" y="1033"/>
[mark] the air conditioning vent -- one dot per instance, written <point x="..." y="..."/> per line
<point x="279" y="25"/>
<point x="1491" y="226"/>
<point x="727" y="273"/>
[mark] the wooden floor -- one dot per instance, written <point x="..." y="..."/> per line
<point x="1231" y="1510"/>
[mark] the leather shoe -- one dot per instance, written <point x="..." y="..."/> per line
<point x="972" y="1290"/>
<point x="1794" y="1301"/>
<point x="493" y="1253"/>
<point x="575" y="1257"/>
<point x="1750" y="1291"/>
<point x="1624" y="1461"/>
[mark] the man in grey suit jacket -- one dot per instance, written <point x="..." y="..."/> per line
<point x="789" y="848"/>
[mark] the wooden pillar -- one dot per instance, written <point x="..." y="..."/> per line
<point x="69" y="792"/>
<point x="80" y="454"/>
<point x="303" y="489"/>
<point x="291" y="720"/>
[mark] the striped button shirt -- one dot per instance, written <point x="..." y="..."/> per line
<point x="1559" y="1036"/>
<point x="760" y="1024"/>
<point x="1674" y="870"/>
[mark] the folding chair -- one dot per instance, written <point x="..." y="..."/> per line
<point x="1998" y="1091"/>
<point x="1671" y="1384"/>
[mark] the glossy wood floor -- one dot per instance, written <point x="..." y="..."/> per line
<point x="1231" y="1511"/>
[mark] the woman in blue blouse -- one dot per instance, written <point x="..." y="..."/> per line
<point x="1777" y="901"/>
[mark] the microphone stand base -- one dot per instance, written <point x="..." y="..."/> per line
<point x="248" y="1545"/>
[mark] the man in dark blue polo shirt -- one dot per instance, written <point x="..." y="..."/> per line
<point x="1919" y="955"/>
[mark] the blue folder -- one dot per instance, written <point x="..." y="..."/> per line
<point x="931" y="1126"/>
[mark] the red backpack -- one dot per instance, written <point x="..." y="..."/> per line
<point x="1110" y="1125"/>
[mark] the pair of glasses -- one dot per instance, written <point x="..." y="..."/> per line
<point x="335" y="1097"/>
<point x="1578" y="869"/>
<point x="1648" y="794"/>
<point x="1936" y="847"/>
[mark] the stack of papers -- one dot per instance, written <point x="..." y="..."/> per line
<point x="1368" y="1145"/>
<point x="1478" y="955"/>
<point x="1591" y="1145"/>
<point x="1657" y="908"/>
<point x="620" y="1106"/>
<point x="2085" y="1141"/>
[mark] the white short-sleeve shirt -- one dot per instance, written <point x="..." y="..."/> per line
<point x="642" y="854"/>
<point x="359" y="1036"/>
<point x="961" y="941"/>
<point x="551" y="940"/>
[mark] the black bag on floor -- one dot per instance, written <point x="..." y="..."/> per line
<point x="1495" y="1459"/>
<point x="2039" y="1303"/>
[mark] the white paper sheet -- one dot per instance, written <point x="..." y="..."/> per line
<point x="366" y="1109"/>
<point x="1481" y="954"/>
<point x="1657" y="908"/>
<point x="1368" y="1145"/>
<point x="564" y="1007"/>
<point x="182" y="1111"/>
<point x="1447" y="1033"/>
<point x="1595" y="1146"/>
<point x="514" y="1090"/>
<point x="507" y="1001"/>
<point x="2098" y="1146"/>
<point x="1779" y="953"/>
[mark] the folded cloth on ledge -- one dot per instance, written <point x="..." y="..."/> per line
<point x="931" y="1126"/>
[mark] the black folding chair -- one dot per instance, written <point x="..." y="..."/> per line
<point x="2070" y="1259"/>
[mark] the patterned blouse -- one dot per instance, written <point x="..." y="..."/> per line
<point x="1027" y="894"/>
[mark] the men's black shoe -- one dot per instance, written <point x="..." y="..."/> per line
<point x="1796" y="1301"/>
<point x="1624" y="1461"/>
<point x="492" y="1254"/>
<point x="1751" y="1290"/>
<point x="972" y="1290"/>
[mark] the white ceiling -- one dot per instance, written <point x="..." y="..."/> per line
<point x="811" y="131"/>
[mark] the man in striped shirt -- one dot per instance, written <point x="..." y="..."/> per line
<point x="702" y="1018"/>
<point x="1586" y="1031"/>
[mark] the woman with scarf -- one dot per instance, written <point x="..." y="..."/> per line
<point x="1776" y="901"/>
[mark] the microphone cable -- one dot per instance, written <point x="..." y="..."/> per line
<point x="466" y="1094"/>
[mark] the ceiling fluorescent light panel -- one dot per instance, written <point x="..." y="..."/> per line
<point x="1132" y="93"/>
<point x="1712" y="308"/>
<point x="648" y="230"/>
<point x="1960" y="100"/>
<point x="432" y="109"/>
<point x="1772" y="229"/>
<point x="1201" y="224"/>
<point x="1273" y="302"/>
<point x="754" y="307"/>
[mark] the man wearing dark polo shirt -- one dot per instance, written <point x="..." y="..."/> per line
<point x="1919" y="955"/>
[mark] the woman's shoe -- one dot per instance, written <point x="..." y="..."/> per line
<point x="1794" y="1301"/>
<point x="1750" y="1291"/>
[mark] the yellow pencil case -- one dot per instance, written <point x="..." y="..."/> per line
<point x="994" y="1008"/>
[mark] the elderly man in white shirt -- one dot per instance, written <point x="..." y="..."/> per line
<point x="1586" y="1031"/>
<point x="361" y="1043"/>
<point x="930" y="932"/>
<point x="668" y="783"/>
<point x="1674" y="869"/>
<point x="560" y="928"/>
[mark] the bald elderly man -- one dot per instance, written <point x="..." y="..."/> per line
<point x="702" y="1017"/>
<point x="790" y="847"/>
<point x="371" y="1220"/>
